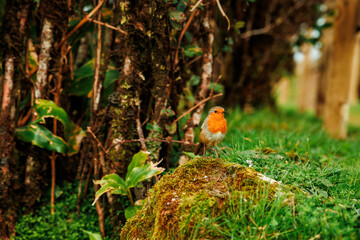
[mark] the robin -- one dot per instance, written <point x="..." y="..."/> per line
<point x="213" y="130"/>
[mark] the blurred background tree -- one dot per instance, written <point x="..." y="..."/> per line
<point x="130" y="72"/>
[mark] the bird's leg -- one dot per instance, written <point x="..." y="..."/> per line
<point x="204" y="150"/>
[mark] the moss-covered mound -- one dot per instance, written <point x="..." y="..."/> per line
<point x="201" y="190"/>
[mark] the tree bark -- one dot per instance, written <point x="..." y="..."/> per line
<point x="338" y="85"/>
<point x="15" y="24"/>
<point x="207" y="68"/>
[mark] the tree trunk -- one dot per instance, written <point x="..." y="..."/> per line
<point x="307" y="81"/>
<point x="15" y="25"/>
<point x="327" y="40"/>
<point x="338" y="85"/>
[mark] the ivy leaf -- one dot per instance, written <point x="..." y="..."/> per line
<point x="41" y="137"/>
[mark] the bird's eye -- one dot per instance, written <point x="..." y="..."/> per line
<point x="215" y="111"/>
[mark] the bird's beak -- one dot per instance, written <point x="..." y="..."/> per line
<point x="226" y="113"/>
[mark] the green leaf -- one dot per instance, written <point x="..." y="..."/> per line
<point x="190" y="154"/>
<point x="93" y="236"/>
<point x="41" y="137"/>
<point x="219" y="88"/>
<point x="46" y="108"/>
<point x="83" y="78"/>
<point x="139" y="174"/>
<point x="139" y="170"/>
<point x="74" y="138"/>
<point x="138" y="160"/>
<point x="167" y="112"/>
<point x="111" y="75"/>
<point x="111" y="182"/>
<point x="239" y="24"/>
<point x="177" y="16"/>
<point x="194" y="80"/>
<point x="171" y="128"/>
<point x="193" y="51"/>
<point x="131" y="210"/>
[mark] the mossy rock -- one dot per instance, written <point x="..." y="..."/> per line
<point x="201" y="189"/>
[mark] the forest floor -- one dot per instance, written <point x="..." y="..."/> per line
<point x="286" y="146"/>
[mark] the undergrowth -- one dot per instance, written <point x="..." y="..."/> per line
<point x="285" y="146"/>
<point x="65" y="223"/>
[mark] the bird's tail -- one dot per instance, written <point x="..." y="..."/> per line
<point x="199" y="149"/>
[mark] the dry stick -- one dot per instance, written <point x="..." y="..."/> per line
<point x="108" y="26"/>
<point x="197" y="105"/>
<point x="148" y="139"/>
<point x="96" y="139"/>
<point x="97" y="84"/>
<point x="82" y="22"/>
<point x="223" y="13"/>
<point x="139" y="130"/>
<point x="182" y="35"/>
<point x="87" y="181"/>
<point x="195" y="6"/>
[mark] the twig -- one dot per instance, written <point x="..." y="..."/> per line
<point x="197" y="105"/>
<point x="121" y="141"/>
<point x="96" y="139"/>
<point x="97" y="83"/>
<point x="195" y="6"/>
<point x="181" y="36"/>
<point x="82" y="22"/>
<point x="216" y="82"/>
<point x="268" y="27"/>
<point x="223" y="13"/>
<point x="108" y="26"/>
<point x="139" y="130"/>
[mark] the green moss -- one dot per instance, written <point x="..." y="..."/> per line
<point x="202" y="189"/>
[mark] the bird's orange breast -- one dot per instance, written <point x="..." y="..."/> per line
<point x="217" y="123"/>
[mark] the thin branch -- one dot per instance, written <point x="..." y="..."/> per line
<point x="216" y="82"/>
<point x="96" y="139"/>
<point x="182" y="35"/>
<point x="268" y="27"/>
<point x="197" y="105"/>
<point x="223" y="13"/>
<point x="121" y="141"/>
<point x="140" y="131"/>
<point x="97" y="84"/>
<point x="195" y="6"/>
<point x="108" y="26"/>
<point x="82" y="22"/>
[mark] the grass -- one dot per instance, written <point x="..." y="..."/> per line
<point x="294" y="149"/>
